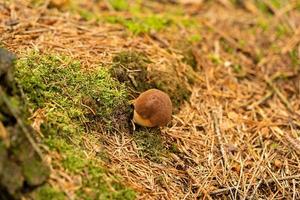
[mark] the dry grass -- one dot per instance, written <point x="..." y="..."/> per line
<point x="237" y="136"/>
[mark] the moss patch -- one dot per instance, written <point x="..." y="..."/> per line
<point x="130" y="67"/>
<point x="119" y="5"/>
<point x="74" y="102"/>
<point x="34" y="171"/>
<point x="141" y="24"/>
<point x="97" y="184"/>
<point x="97" y="188"/>
<point x="73" y="159"/>
<point x="295" y="59"/>
<point x="70" y="96"/>
<point x="173" y="86"/>
<point x="150" y="143"/>
<point x="48" y="193"/>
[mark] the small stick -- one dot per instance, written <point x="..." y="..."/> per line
<point x="216" y="118"/>
<point x="88" y="107"/>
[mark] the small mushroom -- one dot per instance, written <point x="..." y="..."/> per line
<point x="152" y="108"/>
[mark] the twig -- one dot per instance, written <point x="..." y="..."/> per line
<point x="297" y="176"/>
<point x="88" y="107"/>
<point x="216" y="118"/>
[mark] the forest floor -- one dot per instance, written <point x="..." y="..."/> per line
<point x="232" y="69"/>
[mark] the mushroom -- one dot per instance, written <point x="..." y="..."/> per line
<point x="152" y="108"/>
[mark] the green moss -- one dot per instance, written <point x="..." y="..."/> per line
<point x="195" y="38"/>
<point x="46" y="192"/>
<point x="190" y="59"/>
<point x="141" y="20"/>
<point x="295" y="59"/>
<point x="72" y="99"/>
<point x="227" y="47"/>
<point x="87" y="14"/>
<point x="96" y="183"/>
<point x="74" y="163"/>
<point x="239" y="70"/>
<point x="279" y="3"/>
<point x="119" y="5"/>
<point x="215" y="59"/>
<point x="282" y="30"/>
<point x="97" y="188"/>
<point x="263" y="24"/>
<point x="58" y="85"/>
<point x="187" y="22"/>
<point x="242" y="43"/>
<point x="150" y="143"/>
<point x="139" y="25"/>
<point x="174" y="148"/>
<point x="73" y="158"/>
<point x="262" y="6"/>
<point x="35" y="172"/>
<point x="274" y="145"/>
<point x="174" y="87"/>
<point x="130" y="67"/>
<point x="186" y="46"/>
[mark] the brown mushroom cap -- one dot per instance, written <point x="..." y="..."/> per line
<point x="155" y="106"/>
